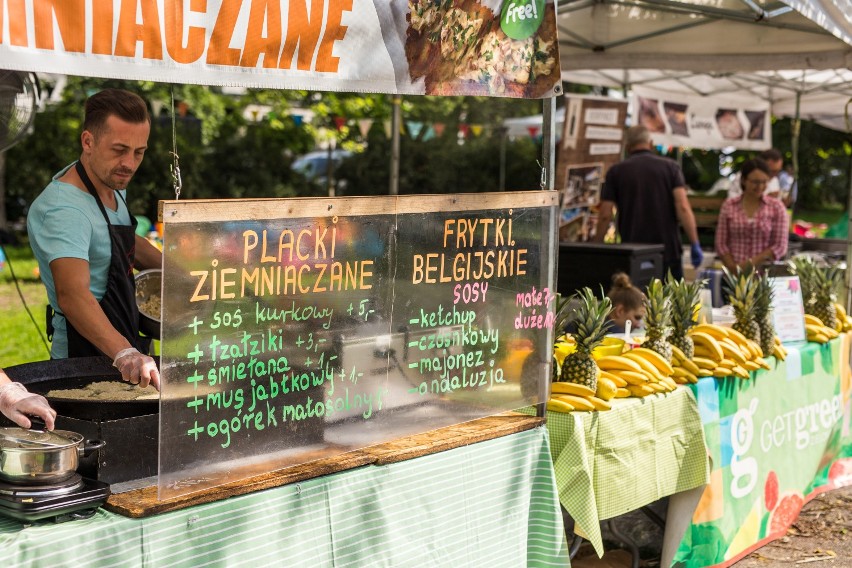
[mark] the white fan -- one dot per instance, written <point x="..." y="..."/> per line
<point x="18" y="98"/>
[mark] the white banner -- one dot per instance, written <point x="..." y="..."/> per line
<point x="709" y="122"/>
<point x="462" y="47"/>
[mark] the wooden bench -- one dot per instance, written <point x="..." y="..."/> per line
<point x="706" y="210"/>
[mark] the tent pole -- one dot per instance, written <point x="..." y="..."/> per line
<point x="548" y="143"/>
<point x="794" y="143"/>
<point x="396" y="118"/>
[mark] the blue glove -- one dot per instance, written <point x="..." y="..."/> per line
<point x="697" y="254"/>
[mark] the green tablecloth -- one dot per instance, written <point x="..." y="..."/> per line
<point x="489" y="504"/>
<point x="776" y="441"/>
<point x="609" y="463"/>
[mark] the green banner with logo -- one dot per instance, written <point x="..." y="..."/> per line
<point x="776" y="441"/>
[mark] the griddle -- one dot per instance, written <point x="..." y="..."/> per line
<point x="42" y="377"/>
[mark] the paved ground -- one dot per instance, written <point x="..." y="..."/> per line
<point x="821" y="537"/>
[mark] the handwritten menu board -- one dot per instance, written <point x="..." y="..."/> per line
<point x="299" y="329"/>
<point x="788" y="311"/>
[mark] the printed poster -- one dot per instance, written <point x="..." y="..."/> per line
<point x="457" y="47"/>
<point x="788" y="310"/>
<point x="710" y="122"/>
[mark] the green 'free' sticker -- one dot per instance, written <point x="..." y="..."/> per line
<point x="521" y="18"/>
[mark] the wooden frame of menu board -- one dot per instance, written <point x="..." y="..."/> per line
<point x="295" y="330"/>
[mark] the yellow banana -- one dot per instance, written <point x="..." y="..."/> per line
<point x="618" y="363"/>
<point x="678" y="356"/>
<point x="704" y="363"/>
<point x="818" y="338"/>
<point x="740" y="372"/>
<point x="690" y="366"/>
<point x="680" y="380"/>
<point x="732" y="351"/>
<point x="623" y="392"/>
<point x="606" y="389"/>
<point x="705" y="353"/>
<point x="764" y="364"/>
<point x="751" y="365"/>
<point x="640" y="360"/>
<point x="716" y="331"/>
<point x="841" y="311"/>
<point x="658" y="387"/>
<point x="727" y="363"/>
<point x="736" y="336"/>
<point x="708" y="341"/>
<point x="640" y="390"/>
<point x="704" y="373"/>
<point x="722" y="372"/>
<point x="556" y="405"/>
<point x="670" y="383"/>
<point x="755" y="348"/>
<point x="562" y="387"/>
<point x="632" y="377"/>
<point x="578" y="402"/>
<point x="616" y="380"/>
<point x="813" y="328"/>
<point x="830" y="332"/>
<point x="599" y="403"/>
<point x="657" y="360"/>
<point x="813" y="320"/>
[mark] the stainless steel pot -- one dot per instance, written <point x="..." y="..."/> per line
<point x="33" y="457"/>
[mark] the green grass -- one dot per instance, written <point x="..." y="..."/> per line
<point x="20" y="341"/>
<point x="827" y="216"/>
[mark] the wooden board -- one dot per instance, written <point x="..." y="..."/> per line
<point x="143" y="502"/>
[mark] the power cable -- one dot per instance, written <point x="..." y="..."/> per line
<point x="23" y="300"/>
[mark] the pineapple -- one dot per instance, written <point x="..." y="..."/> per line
<point x="658" y="319"/>
<point x="684" y="298"/>
<point x="819" y="285"/>
<point x="592" y="324"/>
<point x="744" y="287"/>
<point x="763" y="313"/>
<point x="825" y="294"/>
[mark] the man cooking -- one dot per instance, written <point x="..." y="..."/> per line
<point x="84" y="240"/>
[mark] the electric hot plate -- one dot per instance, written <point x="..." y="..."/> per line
<point x="75" y="498"/>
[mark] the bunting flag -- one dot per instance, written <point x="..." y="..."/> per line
<point x="464" y="129"/>
<point x="364" y="125"/>
<point x="339" y="122"/>
<point x="414" y="128"/>
<point x="476" y="129"/>
<point x="387" y="125"/>
<point x="429" y="134"/>
<point x="298" y="119"/>
<point x="439" y="127"/>
<point x="533" y="130"/>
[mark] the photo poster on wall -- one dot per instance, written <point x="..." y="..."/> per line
<point x="788" y="310"/>
<point x="296" y="330"/>
<point x="733" y="120"/>
<point x="593" y="133"/>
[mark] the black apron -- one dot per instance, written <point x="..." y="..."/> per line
<point x="119" y="301"/>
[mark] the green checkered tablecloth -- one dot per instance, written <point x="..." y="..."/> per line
<point x="490" y="504"/>
<point x="610" y="463"/>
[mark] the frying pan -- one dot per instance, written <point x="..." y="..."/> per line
<point x="43" y="376"/>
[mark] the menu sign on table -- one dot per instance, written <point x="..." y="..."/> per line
<point x="299" y="329"/>
<point x="788" y="310"/>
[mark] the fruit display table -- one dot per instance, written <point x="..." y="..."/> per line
<point x="610" y="463"/>
<point x="776" y="441"/>
<point x="453" y="508"/>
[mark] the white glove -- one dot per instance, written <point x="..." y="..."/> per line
<point x="137" y="368"/>
<point x="16" y="403"/>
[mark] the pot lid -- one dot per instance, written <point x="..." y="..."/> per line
<point x="12" y="438"/>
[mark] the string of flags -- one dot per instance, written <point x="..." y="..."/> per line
<point x="416" y="130"/>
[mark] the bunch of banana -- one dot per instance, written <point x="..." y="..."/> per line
<point x="818" y="331"/>
<point x="844" y="320"/>
<point x="567" y="397"/>
<point x="721" y="352"/>
<point x="638" y="372"/>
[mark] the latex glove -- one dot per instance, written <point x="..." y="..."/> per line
<point x="137" y="368"/>
<point x="697" y="254"/>
<point x="17" y="404"/>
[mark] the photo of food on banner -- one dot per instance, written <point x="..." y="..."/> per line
<point x="580" y="195"/>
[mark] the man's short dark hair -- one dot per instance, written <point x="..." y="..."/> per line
<point x="772" y="155"/>
<point x="127" y="106"/>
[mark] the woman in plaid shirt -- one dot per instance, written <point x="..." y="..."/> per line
<point x="753" y="228"/>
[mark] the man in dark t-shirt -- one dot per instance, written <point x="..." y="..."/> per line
<point x="649" y="194"/>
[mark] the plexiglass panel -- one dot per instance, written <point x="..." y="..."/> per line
<point x="291" y="333"/>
